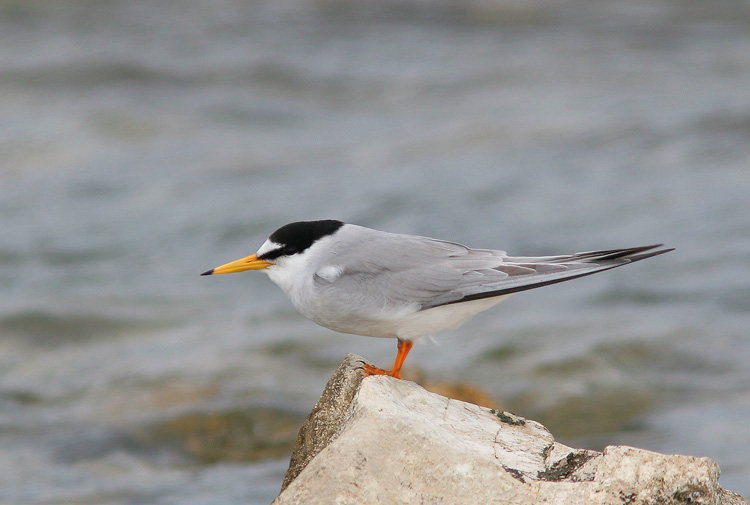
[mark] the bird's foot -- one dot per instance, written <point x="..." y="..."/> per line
<point x="369" y="370"/>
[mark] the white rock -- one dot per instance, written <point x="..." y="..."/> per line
<point x="386" y="441"/>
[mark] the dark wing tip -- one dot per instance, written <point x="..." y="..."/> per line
<point x="210" y="272"/>
<point x="637" y="257"/>
<point x="631" y="254"/>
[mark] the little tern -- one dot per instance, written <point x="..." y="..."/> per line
<point x="361" y="281"/>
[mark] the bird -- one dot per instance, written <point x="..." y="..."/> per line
<point x="361" y="281"/>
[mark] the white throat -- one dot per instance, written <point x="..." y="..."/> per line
<point x="294" y="274"/>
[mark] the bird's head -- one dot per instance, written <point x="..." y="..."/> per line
<point x="289" y="240"/>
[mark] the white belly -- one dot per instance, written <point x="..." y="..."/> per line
<point x="413" y="325"/>
<point x="445" y="317"/>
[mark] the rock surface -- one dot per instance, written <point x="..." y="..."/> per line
<point x="381" y="440"/>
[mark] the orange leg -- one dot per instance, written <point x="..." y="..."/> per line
<point x="404" y="346"/>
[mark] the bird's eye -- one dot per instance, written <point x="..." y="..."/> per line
<point x="272" y="255"/>
<point x="291" y="249"/>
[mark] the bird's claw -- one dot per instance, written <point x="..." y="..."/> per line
<point x="369" y="370"/>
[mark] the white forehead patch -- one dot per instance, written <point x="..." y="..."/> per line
<point x="268" y="245"/>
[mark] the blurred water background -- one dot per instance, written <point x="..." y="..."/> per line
<point x="142" y="143"/>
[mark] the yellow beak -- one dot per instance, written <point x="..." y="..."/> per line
<point x="250" y="263"/>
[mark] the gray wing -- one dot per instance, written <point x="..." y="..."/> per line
<point x="543" y="271"/>
<point x="388" y="270"/>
